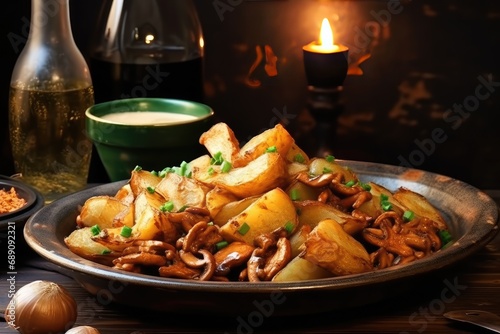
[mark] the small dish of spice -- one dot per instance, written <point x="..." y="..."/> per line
<point x="18" y="201"/>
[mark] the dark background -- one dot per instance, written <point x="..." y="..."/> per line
<point x="409" y="69"/>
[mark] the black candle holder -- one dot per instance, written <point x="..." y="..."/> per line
<point x="325" y="73"/>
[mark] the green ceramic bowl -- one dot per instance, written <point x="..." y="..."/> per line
<point x="153" y="133"/>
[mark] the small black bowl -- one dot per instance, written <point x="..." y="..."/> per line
<point x="34" y="201"/>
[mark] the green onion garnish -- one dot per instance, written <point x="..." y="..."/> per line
<point x="299" y="158"/>
<point x="244" y="229"/>
<point x="167" y="207"/>
<point x="350" y="183"/>
<point x="445" y="237"/>
<point x="137" y="168"/>
<point x="105" y="252"/>
<point x="95" y="230"/>
<point x="408" y="215"/>
<point x="150" y="190"/>
<point x="289" y="227"/>
<point x="226" y="166"/>
<point x="126" y="231"/>
<point x="272" y="149"/>
<point x="216" y="159"/>
<point x="221" y="244"/>
<point x="154" y="173"/>
<point x="211" y="170"/>
<point x="330" y="158"/>
<point x="295" y="194"/>
<point x="365" y="186"/>
<point x="384" y="202"/>
<point x="326" y="170"/>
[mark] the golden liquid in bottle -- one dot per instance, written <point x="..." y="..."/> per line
<point x="49" y="144"/>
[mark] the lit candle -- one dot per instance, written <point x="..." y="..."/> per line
<point x="325" y="62"/>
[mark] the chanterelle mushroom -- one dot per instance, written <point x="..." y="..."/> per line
<point x="269" y="257"/>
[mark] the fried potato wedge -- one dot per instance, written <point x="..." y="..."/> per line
<point x="105" y="211"/>
<point x="233" y="209"/>
<point x="125" y="194"/>
<point x="217" y="198"/>
<point x="182" y="191"/>
<point x="298" y="239"/>
<point x="419" y="205"/>
<point x="150" y="222"/>
<point x="220" y="138"/>
<point x="318" y="166"/>
<point x="259" y="176"/>
<point x="296" y="154"/>
<point x="271" y="211"/>
<point x="80" y="242"/>
<point x="311" y="212"/>
<point x="331" y="248"/>
<point x="277" y="137"/>
<point x="141" y="180"/>
<point x="299" y="269"/>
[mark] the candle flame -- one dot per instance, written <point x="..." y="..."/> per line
<point x="326" y="34"/>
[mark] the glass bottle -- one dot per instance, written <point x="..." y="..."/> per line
<point x="147" y="48"/>
<point x="50" y="90"/>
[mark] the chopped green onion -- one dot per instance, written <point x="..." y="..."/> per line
<point x="210" y="224"/>
<point x="365" y="186"/>
<point x="105" y="252"/>
<point x="167" y="207"/>
<point x="126" y="231"/>
<point x="226" y="166"/>
<point x="350" y="183"/>
<point x="299" y="158"/>
<point x="154" y="173"/>
<point x="183" y="208"/>
<point x="137" y="168"/>
<point x="221" y="244"/>
<point x="445" y="237"/>
<point x="217" y="159"/>
<point x="295" y="194"/>
<point x="95" y="230"/>
<point x="244" y="229"/>
<point x="326" y="170"/>
<point x="150" y="190"/>
<point x="211" y="170"/>
<point x="384" y="202"/>
<point x="272" y="149"/>
<point x="289" y="226"/>
<point x="386" y="206"/>
<point x="408" y="215"/>
<point x="330" y="158"/>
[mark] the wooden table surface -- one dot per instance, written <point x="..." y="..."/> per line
<point x="476" y="282"/>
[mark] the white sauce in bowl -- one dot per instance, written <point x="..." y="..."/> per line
<point x="147" y="118"/>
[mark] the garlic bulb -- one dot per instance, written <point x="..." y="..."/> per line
<point x="41" y="307"/>
<point x="83" y="330"/>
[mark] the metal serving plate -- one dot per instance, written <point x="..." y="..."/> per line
<point x="471" y="215"/>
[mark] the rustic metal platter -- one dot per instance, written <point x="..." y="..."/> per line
<point x="471" y="215"/>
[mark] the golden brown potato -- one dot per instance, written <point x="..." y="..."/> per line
<point x="277" y="137"/>
<point x="259" y="176"/>
<point x="220" y="138"/>
<point x="80" y="242"/>
<point x="312" y="212"/>
<point x="232" y="209"/>
<point x="299" y="191"/>
<point x="373" y="207"/>
<point x="299" y="269"/>
<point x="331" y="248"/>
<point x="298" y="239"/>
<point x="125" y="194"/>
<point x="419" y="205"/>
<point x="140" y="180"/>
<point x="269" y="212"/>
<point x="296" y="154"/>
<point x="217" y="198"/>
<point x="105" y="211"/>
<point x="182" y="191"/>
<point x="318" y="166"/>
